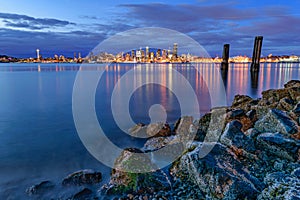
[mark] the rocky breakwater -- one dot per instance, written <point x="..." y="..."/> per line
<point x="250" y="150"/>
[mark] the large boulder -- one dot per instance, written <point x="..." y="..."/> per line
<point x="276" y="121"/>
<point x="40" y="188"/>
<point x="153" y="144"/>
<point x="279" y="145"/>
<point x="234" y="137"/>
<point x="203" y="125"/>
<point x="296" y="109"/>
<point x="243" y="102"/>
<point x="211" y="125"/>
<point x="283" y="98"/>
<point x="82" y="177"/>
<point x="133" y="173"/>
<point x="281" y="186"/>
<point x="219" y="175"/>
<point x="183" y="125"/>
<point x="152" y="130"/>
<point x="292" y="83"/>
<point x="286" y="104"/>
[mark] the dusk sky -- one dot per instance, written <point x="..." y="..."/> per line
<point x="65" y="26"/>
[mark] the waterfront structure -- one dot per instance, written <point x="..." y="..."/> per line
<point x="175" y="50"/>
<point x="169" y="54"/>
<point x="147" y="52"/>
<point x="225" y="57"/>
<point x="38" y="54"/>
<point x="164" y="54"/>
<point x="256" y="53"/>
<point x="132" y="54"/>
<point x="158" y="53"/>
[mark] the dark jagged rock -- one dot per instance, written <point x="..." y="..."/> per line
<point x="296" y="109"/>
<point x="203" y="125"/>
<point x="296" y="173"/>
<point x="233" y="136"/>
<point x="219" y="175"/>
<point x="286" y="104"/>
<point x="279" y="145"/>
<point x="272" y="96"/>
<point x="247" y="151"/>
<point x="83" y="194"/>
<point x="287" y="96"/>
<point x="276" y="121"/>
<point x="251" y="114"/>
<point x="133" y="173"/>
<point x="182" y="126"/>
<point x="40" y="188"/>
<point x="83" y="177"/>
<point x="242" y="102"/>
<point x="236" y="113"/>
<point x="281" y="186"/>
<point x="292" y="83"/>
<point x="151" y="130"/>
<point x="156" y="143"/>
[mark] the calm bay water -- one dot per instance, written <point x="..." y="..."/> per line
<point x="38" y="138"/>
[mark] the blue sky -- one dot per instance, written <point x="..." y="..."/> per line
<point x="65" y="26"/>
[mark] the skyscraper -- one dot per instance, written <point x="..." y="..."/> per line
<point x="143" y="54"/>
<point x="132" y="54"/>
<point x="175" y="48"/>
<point x="158" y="53"/>
<point x="164" y="54"/>
<point x="147" y="52"/>
<point x="37" y="54"/>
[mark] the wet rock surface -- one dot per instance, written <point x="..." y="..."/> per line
<point x="133" y="173"/>
<point x="40" y="188"/>
<point x="277" y="121"/>
<point x="250" y="150"/>
<point x="151" y="130"/>
<point x="83" y="177"/>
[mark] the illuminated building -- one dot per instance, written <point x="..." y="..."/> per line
<point x="132" y="54"/>
<point x="147" y="52"/>
<point x="169" y="54"/>
<point x="138" y="54"/>
<point x="143" y="54"/>
<point x="164" y="54"/>
<point x="158" y="53"/>
<point x="152" y="56"/>
<point x="175" y="48"/>
<point x="38" y="54"/>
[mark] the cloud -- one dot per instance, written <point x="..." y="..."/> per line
<point x="24" y="43"/>
<point x="28" y="22"/>
<point x="187" y="12"/>
<point x="212" y="25"/>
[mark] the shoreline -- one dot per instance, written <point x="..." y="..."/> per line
<point x="260" y="135"/>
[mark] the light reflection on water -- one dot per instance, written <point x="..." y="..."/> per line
<point x="38" y="139"/>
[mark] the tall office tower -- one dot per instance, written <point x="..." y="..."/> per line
<point x="175" y="48"/>
<point x="158" y="53"/>
<point x="169" y="54"/>
<point x="132" y="54"/>
<point x="79" y="55"/>
<point x="152" y="56"/>
<point x="147" y="52"/>
<point x="143" y="54"/>
<point x="37" y="54"/>
<point x="164" y="54"/>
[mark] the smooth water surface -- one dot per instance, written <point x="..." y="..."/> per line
<point x="38" y="138"/>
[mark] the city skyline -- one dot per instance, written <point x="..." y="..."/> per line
<point x="65" y="27"/>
